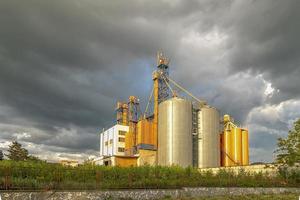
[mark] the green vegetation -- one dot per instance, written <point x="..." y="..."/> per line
<point x="1" y="155"/>
<point x="247" y="197"/>
<point x="40" y="175"/>
<point x="289" y="148"/>
<point x="18" y="153"/>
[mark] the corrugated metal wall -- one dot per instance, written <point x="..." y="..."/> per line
<point x="208" y="137"/>
<point x="175" y="132"/>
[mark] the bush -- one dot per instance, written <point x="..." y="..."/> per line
<point x="40" y="175"/>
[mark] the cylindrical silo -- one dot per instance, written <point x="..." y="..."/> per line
<point x="175" y="132"/>
<point x="236" y="145"/>
<point x="208" y="137"/>
<point x="245" y="147"/>
<point x="227" y="148"/>
<point x="221" y="148"/>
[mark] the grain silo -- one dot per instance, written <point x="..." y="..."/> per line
<point x="235" y="145"/>
<point x="175" y="132"/>
<point x="208" y="137"/>
<point x="245" y="147"/>
<point x="236" y="141"/>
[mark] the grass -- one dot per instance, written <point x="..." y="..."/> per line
<point x="41" y="175"/>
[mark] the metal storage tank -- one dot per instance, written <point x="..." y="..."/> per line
<point x="145" y="132"/>
<point x="221" y="148"/>
<point x="208" y="137"/>
<point x="245" y="147"/>
<point x="236" y="145"/>
<point x="227" y="149"/>
<point x="175" y="132"/>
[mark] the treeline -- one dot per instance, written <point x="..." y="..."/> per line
<point x="39" y="175"/>
<point x="17" y="153"/>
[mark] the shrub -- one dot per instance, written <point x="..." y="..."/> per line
<point x="38" y="175"/>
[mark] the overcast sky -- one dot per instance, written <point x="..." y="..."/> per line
<point x="65" y="63"/>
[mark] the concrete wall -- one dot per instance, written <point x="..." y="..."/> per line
<point x="141" y="194"/>
<point x="267" y="168"/>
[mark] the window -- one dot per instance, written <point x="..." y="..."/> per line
<point x="120" y="149"/>
<point x="106" y="143"/>
<point x="110" y="141"/>
<point x="121" y="139"/>
<point x="122" y="132"/>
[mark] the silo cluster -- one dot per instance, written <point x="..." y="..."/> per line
<point x="234" y="144"/>
<point x="189" y="135"/>
<point x="177" y="141"/>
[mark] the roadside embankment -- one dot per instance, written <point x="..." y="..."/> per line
<point x="146" y="194"/>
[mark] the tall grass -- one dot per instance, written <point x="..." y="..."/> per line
<point x="41" y="175"/>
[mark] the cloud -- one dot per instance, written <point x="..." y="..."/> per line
<point x="64" y="64"/>
<point x="264" y="39"/>
<point x="270" y="122"/>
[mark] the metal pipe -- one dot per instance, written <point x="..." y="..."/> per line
<point x="146" y="110"/>
<point x="155" y="110"/>
<point x="173" y="93"/>
<point x="202" y="103"/>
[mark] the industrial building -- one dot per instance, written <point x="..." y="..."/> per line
<point x="173" y="130"/>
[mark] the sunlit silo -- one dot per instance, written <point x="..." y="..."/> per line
<point x="175" y="132"/>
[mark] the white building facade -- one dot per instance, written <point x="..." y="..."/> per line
<point x="112" y="142"/>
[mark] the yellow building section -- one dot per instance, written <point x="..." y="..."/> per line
<point x="124" y="114"/>
<point x="155" y="110"/>
<point x="125" y="161"/>
<point x="227" y="153"/>
<point x="146" y="157"/>
<point x="234" y="144"/>
<point x="221" y="148"/>
<point x="145" y="132"/>
<point x="245" y="147"/>
<point x="129" y="142"/>
<point x="236" y="141"/>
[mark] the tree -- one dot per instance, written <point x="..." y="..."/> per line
<point x="289" y="148"/>
<point x="1" y="155"/>
<point x="17" y="152"/>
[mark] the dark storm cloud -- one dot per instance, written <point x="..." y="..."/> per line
<point x="265" y="39"/>
<point x="47" y="51"/>
<point x="64" y="63"/>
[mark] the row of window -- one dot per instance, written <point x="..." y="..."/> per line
<point x="121" y="139"/>
<point x="121" y="149"/>
<point x="122" y="132"/>
<point x="110" y="142"/>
